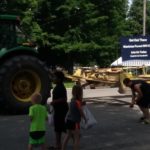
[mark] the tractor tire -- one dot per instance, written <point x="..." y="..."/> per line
<point x="20" y="77"/>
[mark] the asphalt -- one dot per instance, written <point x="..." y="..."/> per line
<point x="117" y="128"/>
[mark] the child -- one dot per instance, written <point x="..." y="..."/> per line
<point x="38" y="115"/>
<point x="73" y="118"/>
<point x="60" y="105"/>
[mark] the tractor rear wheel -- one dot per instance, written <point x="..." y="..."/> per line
<point x="20" y="77"/>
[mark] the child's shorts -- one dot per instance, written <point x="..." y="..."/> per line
<point x="70" y="125"/>
<point x="37" y="137"/>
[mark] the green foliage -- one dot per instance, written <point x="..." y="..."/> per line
<point x="87" y="31"/>
<point x="69" y="84"/>
<point x="135" y="17"/>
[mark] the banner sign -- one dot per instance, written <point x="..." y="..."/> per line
<point x="135" y="48"/>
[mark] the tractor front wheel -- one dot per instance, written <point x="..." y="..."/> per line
<point x="20" y="77"/>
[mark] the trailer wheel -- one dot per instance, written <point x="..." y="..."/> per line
<point x="92" y="86"/>
<point x="20" y="77"/>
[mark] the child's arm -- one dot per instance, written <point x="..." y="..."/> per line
<point x="60" y="100"/>
<point x="30" y="114"/>
<point x="66" y="116"/>
<point x="79" y="106"/>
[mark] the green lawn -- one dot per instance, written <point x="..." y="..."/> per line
<point x="68" y="84"/>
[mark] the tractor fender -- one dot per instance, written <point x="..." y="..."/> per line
<point x="5" y="54"/>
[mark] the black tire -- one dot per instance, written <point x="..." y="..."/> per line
<point x="20" y="77"/>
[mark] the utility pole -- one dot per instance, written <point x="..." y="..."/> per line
<point x="144" y="17"/>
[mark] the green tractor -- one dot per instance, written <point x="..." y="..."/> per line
<point x="22" y="71"/>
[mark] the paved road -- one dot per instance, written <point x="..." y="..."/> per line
<point x="117" y="127"/>
<point x="89" y="93"/>
<point x="98" y="92"/>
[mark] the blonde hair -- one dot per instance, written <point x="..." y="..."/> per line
<point x="36" y="98"/>
<point x="77" y="92"/>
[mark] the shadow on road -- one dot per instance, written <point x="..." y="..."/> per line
<point x="111" y="100"/>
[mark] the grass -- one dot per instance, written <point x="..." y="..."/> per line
<point x="68" y="84"/>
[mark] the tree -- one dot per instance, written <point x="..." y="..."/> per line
<point x="84" y="32"/>
<point x="89" y="27"/>
<point x="113" y="26"/>
<point x="135" y="17"/>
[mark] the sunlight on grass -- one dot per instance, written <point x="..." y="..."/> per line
<point x="69" y="84"/>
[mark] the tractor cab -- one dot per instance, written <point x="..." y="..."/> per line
<point x="10" y="33"/>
